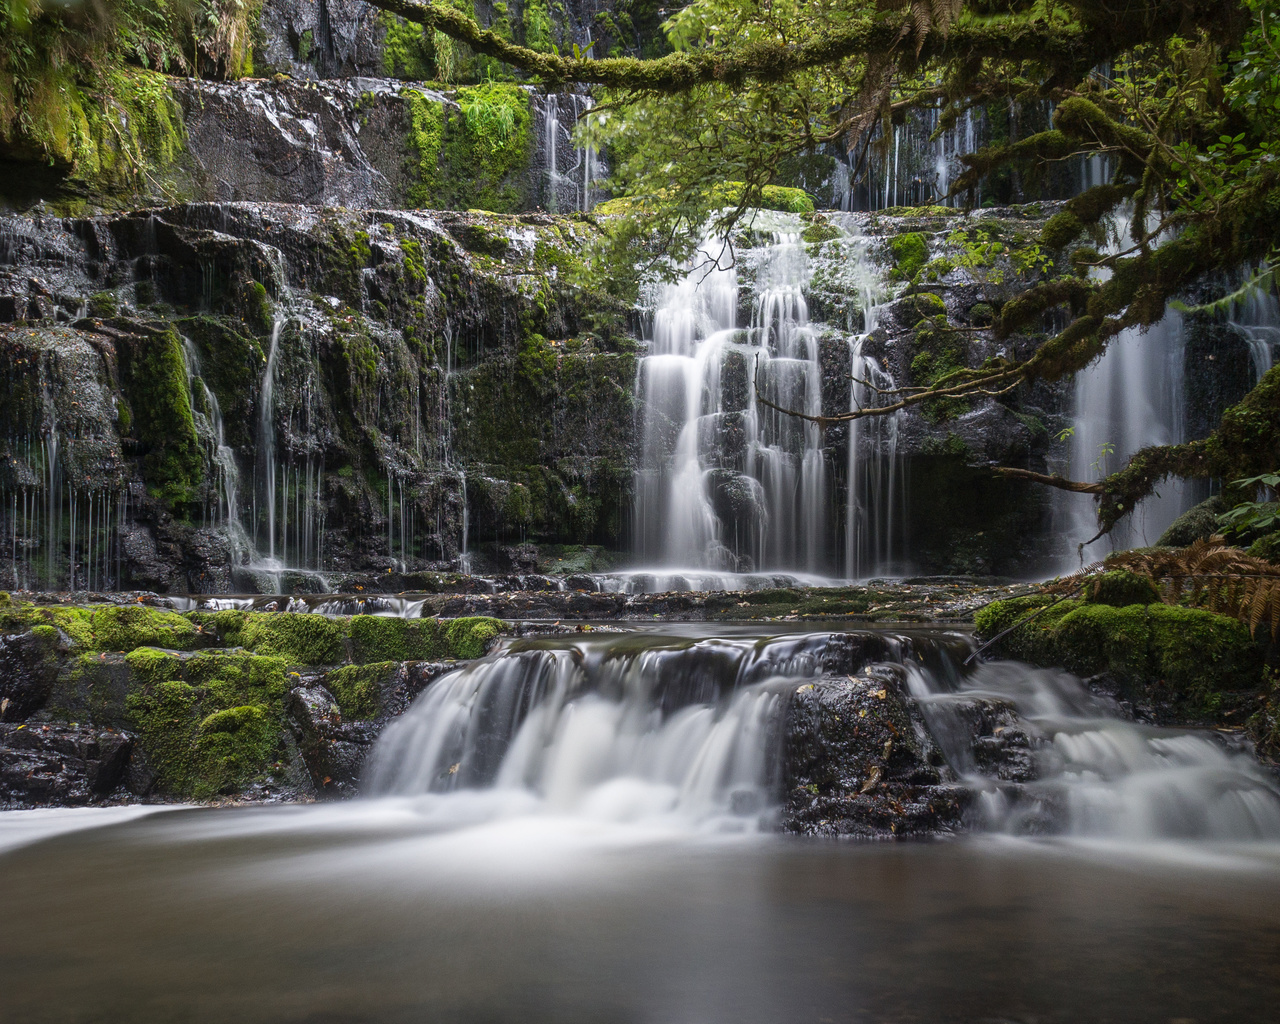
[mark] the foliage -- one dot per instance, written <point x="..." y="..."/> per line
<point x="1207" y="574"/>
<point x="1187" y="112"/>
<point x="1253" y="516"/>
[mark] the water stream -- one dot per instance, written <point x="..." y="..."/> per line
<point x="578" y="829"/>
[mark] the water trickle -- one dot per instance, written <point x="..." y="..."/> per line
<point x="571" y="172"/>
<point x="1258" y="319"/>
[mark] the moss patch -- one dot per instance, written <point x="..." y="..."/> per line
<point x="298" y="637"/>
<point x="1195" y="655"/>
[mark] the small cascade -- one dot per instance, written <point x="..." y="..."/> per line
<point x="725" y="482"/>
<point x="287" y="493"/>
<point x="571" y="173"/>
<point x="915" y="166"/>
<point x="694" y="733"/>
<point x="661" y="728"/>
<point x="210" y="428"/>
<point x="1096" y="775"/>
<point x="1258" y="319"/>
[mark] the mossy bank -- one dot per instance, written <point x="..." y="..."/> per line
<point x="202" y="700"/>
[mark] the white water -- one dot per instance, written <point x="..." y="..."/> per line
<point x="1100" y="776"/>
<point x="1258" y="319"/>
<point x="688" y="733"/>
<point x="725" y="483"/>
<point x="669" y="730"/>
<point x="1128" y="399"/>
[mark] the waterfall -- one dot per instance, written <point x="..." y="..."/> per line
<point x="665" y="727"/>
<point x="726" y="483"/>
<point x="1129" y="398"/>
<point x="1258" y="319"/>
<point x="210" y="427"/>
<point x="875" y="487"/>
<point x="571" y="173"/>
<point x="692" y="732"/>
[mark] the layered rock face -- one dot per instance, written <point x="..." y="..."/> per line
<point x="199" y="388"/>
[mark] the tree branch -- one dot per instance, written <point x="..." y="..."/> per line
<point x="1012" y="38"/>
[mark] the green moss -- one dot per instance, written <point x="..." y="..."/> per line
<point x="1120" y="588"/>
<point x="981" y="314"/>
<point x="1194" y="653"/>
<point x="210" y="723"/>
<point x="406" y="49"/>
<point x="165" y="716"/>
<point x="306" y="45"/>
<point x="379" y="638"/>
<point x="487" y="143"/>
<point x="358" y="688"/>
<point x="1061" y="230"/>
<point x="821" y="230"/>
<point x="471" y="637"/>
<point x="126" y="627"/>
<point x="232" y="747"/>
<point x="1198" y="653"/>
<point x="537" y="23"/>
<point x="103" y="305"/>
<point x="928" y="304"/>
<point x="154" y="381"/>
<point x="299" y="638"/>
<point x="910" y="253"/>
<point x="151" y="667"/>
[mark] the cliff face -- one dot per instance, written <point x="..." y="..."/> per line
<point x="257" y="397"/>
<point x="195" y="389"/>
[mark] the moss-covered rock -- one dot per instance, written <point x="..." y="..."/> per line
<point x="297" y="637"/>
<point x="471" y="637"/>
<point x="358" y="688"/>
<point x="1193" y="656"/>
<point x="378" y="638"/>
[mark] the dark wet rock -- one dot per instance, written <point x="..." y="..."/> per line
<point x="856" y="765"/>
<point x="28" y="670"/>
<point x="62" y="765"/>
<point x="334" y="745"/>
<point x="999" y="744"/>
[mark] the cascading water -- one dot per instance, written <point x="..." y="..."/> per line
<point x="628" y="730"/>
<point x="727" y="483"/>
<point x="1128" y="399"/>
<point x="1097" y="774"/>
<point x="1258" y="319"/>
<point x="691" y="732"/>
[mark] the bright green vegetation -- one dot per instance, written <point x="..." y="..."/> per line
<point x="358" y="688"/>
<point x="153" y="379"/>
<point x="1208" y="664"/>
<point x="727" y="194"/>
<point x="910" y="252"/>
<point x="84" y="104"/>
<point x="473" y="156"/>
<point x="205" y="691"/>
